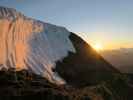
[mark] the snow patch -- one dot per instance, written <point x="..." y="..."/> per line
<point x="30" y="44"/>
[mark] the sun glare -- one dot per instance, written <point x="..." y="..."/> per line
<point x="98" y="47"/>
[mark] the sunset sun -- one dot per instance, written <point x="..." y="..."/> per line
<point x="98" y="46"/>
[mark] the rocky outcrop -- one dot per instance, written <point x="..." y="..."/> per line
<point x="25" y="83"/>
<point x="85" y="67"/>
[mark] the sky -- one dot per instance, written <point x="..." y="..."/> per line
<point x="108" y="23"/>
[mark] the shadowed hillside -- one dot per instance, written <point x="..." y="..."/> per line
<point x="25" y="83"/>
<point x="85" y="67"/>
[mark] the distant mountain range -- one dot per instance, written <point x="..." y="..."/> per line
<point x="121" y="58"/>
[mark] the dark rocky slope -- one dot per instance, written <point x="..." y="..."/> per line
<point x="85" y="67"/>
<point x="25" y="83"/>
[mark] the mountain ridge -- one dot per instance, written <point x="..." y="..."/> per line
<point x="37" y="46"/>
